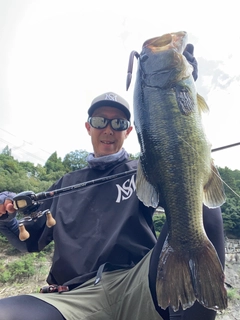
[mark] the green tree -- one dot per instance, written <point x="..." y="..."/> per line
<point x="9" y="169"/>
<point x="75" y="160"/>
<point x="228" y="177"/>
<point x="18" y="176"/>
<point x="29" y="167"/>
<point x="134" y="156"/>
<point x="231" y="217"/>
<point x="7" y="163"/>
<point x="7" y="151"/>
<point x="54" y="168"/>
<point x="231" y="208"/>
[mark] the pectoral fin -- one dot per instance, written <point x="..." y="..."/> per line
<point x="214" y="195"/>
<point x="202" y="105"/>
<point x="145" y="191"/>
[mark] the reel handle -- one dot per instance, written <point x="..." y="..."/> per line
<point x="50" y="220"/>
<point x="24" y="234"/>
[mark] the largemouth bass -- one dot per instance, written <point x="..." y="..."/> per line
<point x="176" y="169"/>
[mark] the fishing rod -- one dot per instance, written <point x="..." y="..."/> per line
<point x="225" y="147"/>
<point x="28" y="202"/>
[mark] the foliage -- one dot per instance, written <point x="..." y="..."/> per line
<point x="18" y="269"/>
<point x="231" y="208"/>
<point x="233" y="294"/>
<point x="3" y="239"/>
<point x="7" y="151"/>
<point x="48" y="249"/>
<point x="159" y="220"/>
<point x="54" y="168"/>
<point x="134" y="157"/>
<point x="75" y="160"/>
<point x="24" y="265"/>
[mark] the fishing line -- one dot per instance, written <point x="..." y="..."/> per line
<point x="210" y="166"/>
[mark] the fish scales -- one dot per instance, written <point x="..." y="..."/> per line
<point x="176" y="170"/>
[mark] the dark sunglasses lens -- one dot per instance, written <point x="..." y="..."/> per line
<point x="119" y="124"/>
<point x="98" y="122"/>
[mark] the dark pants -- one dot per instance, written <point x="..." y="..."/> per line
<point x="27" y="308"/>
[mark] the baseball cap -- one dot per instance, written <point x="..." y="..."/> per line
<point x="110" y="99"/>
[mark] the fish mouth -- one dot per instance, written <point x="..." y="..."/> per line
<point x="174" y="40"/>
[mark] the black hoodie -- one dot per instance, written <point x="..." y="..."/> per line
<point x="97" y="224"/>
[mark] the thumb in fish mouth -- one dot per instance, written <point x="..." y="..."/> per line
<point x="189" y="55"/>
<point x="189" y="48"/>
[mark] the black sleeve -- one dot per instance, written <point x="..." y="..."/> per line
<point x="213" y="224"/>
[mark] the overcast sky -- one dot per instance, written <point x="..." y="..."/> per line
<point x="56" y="56"/>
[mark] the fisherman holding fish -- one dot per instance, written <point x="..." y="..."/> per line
<point x="106" y="254"/>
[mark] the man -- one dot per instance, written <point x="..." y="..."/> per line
<point x="106" y="252"/>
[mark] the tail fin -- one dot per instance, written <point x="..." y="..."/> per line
<point x="188" y="276"/>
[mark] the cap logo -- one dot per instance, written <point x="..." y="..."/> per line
<point x="111" y="96"/>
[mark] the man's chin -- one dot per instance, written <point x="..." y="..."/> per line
<point x="103" y="153"/>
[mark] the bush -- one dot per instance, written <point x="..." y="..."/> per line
<point x="159" y="220"/>
<point x="19" y="269"/>
<point x="233" y="294"/>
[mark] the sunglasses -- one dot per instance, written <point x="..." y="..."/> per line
<point x="116" y="124"/>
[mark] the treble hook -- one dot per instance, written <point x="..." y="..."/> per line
<point x="130" y="67"/>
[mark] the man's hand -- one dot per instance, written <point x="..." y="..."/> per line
<point x="7" y="206"/>
<point x="6" y="203"/>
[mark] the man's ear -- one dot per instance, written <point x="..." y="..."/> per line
<point x="87" y="126"/>
<point x="128" y="131"/>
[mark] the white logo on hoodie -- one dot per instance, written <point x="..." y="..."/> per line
<point x="125" y="191"/>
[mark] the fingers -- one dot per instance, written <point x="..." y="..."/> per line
<point x="189" y="54"/>
<point x="6" y="202"/>
<point x="2" y="209"/>
<point x="10" y="208"/>
<point x="190" y="48"/>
